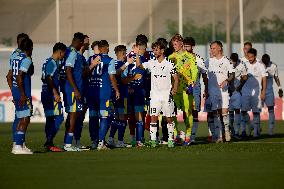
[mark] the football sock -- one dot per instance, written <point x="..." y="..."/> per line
<point x="153" y="131"/>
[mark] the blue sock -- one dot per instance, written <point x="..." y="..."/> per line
<point x="103" y="128"/>
<point x="114" y="124"/>
<point x="14" y="128"/>
<point x="121" y="129"/>
<point x="20" y="137"/>
<point x="69" y="138"/>
<point x="94" y="127"/>
<point x="139" y="130"/>
<point x="58" y="121"/>
<point x="79" y="126"/>
<point x="49" y="128"/>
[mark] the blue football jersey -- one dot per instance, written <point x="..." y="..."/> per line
<point x="99" y="80"/>
<point x="24" y="64"/>
<point x="50" y="68"/>
<point x="75" y="63"/>
<point x="14" y="54"/>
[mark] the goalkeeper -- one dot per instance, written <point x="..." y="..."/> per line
<point x="187" y="70"/>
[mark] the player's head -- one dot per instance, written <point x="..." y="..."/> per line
<point x="189" y="44"/>
<point x="86" y="42"/>
<point x="252" y="53"/>
<point x="216" y="48"/>
<point x="26" y="46"/>
<point x="95" y="47"/>
<point x="158" y="48"/>
<point x="234" y="58"/>
<point x="177" y="42"/>
<point x="265" y="59"/>
<point x="103" y="47"/>
<point x="120" y="52"/>
<point x="141" y="43"/>
<point x="20" y="37"/>
<point x="247" y="47"/>
<point x="59" y="50"/>
<point x="78" y="40"/>
<point x="163" y="40"/>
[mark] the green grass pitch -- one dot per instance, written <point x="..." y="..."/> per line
<point x="254" y="163"/>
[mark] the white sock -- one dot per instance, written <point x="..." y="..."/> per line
<point x="226" y="122"/>
<point x="211" y="126"/>
<point x="171" y="127"/>
<point x="153" y="131"/>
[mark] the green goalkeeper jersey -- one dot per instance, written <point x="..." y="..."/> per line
<point x="186" y="68"/>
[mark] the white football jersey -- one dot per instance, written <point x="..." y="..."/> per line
<point x="201" y="68"/>
<point x="218" y="71"/>
<point x="240" y="70"/>
<point x="255" y="73"/>
<point x="161" y="77"/>
<point x="272" y="71"/>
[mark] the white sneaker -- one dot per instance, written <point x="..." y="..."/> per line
<point x="164" y="142"/>
<point x="101" y="146"/>
<point x="120" y="144"/>
<point x="110" y="141"/>
<point x="26" y="148"/>
<point x="71" y="149"/>
<point x="17" y="149"/>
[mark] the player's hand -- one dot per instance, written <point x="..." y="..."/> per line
<point x="23" y="100"/>
<point x="174" y="91"/>
<point x="57" y="97"/>
<point x="262" y="95"/>
<point x="280" y="93"/>
<point x="78" y="95"/>
<point x="130" y="60"/>
<point x="117" y="95"/>
<point x="223" y="84"/>
<point x="137" y="76"/>
<point x="95" y="61"/>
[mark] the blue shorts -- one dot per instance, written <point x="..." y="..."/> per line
<point x="136" y="101"/>
<point x="98" y="107"/>
<point x="23" y="111"/>
<point x="71" y="103"/>
<point x="50" y="106"/>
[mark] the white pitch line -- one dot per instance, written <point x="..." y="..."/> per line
<point x="255" y="142"/>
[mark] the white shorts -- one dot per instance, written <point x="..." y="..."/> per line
<point x="269" y="99"/>
<point x="197" y="98"/>
<point x="220" y="101"/>
<point x="251" y="103"/>
<point x="166" y="106"/>
<point x="235" y="101"/>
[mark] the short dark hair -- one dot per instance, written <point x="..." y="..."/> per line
<point x="141" y="39"/>
<point x="219" y="43"/>
<point x="59" y="46"/>
<point x="120" y="48"/>
<point x="248" y="43"/>
<point x="80" y="36"/>
<point x="252" y="51"/>
<point x="163" y="40"/>
<point x="234" y="57"/>
<point x="266" y="56"/>
<point x="103" y="43"/>
<point x="189" y="41"/>
<point x="21" y="36"/>
<point x="95" y="43"/>
<point x="159" y="44"/>
<point x="26" y="44"/>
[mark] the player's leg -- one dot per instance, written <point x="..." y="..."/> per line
<point x="168" y="108"/>
<point x="269" y="102"/>
<point x="122" y="112"/>
<point x="188" y="120"/>
<point x="155" y="109"/>
<point x="196" y="110"/>
<point x="245" y="119"/>
<point x="139" y="103"/>
<point x="79" y="128"/>
<point x="216" y="101"/>
<point x="256" y="109"/>
<point x="210" y="120"/>
<point x="237" y="123"/>
<point x="225" y="116"/>
<point x="104" y="113"/>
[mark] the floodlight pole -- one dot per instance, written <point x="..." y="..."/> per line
<point x="228" y="29"/>
<point x="118" y="21"/>
<point x="57" y="20"/>
<point x="241" y="9"/>
<point x="150" y="21"/>
<point x="180" y="29"/>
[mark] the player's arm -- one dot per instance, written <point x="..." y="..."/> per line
<point x="277" y="81"/>
<point x="175" y="84"/>
<point x="70" y="62"/>
<point x="51" y="85"/>
<point x="243" y="80"/>
<point x="205" y="81"/>
<point x="194" y="71"/>
<point x="9" y="78"/>
<point x="263" y="89"/>
<point x="112" y="73"/>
